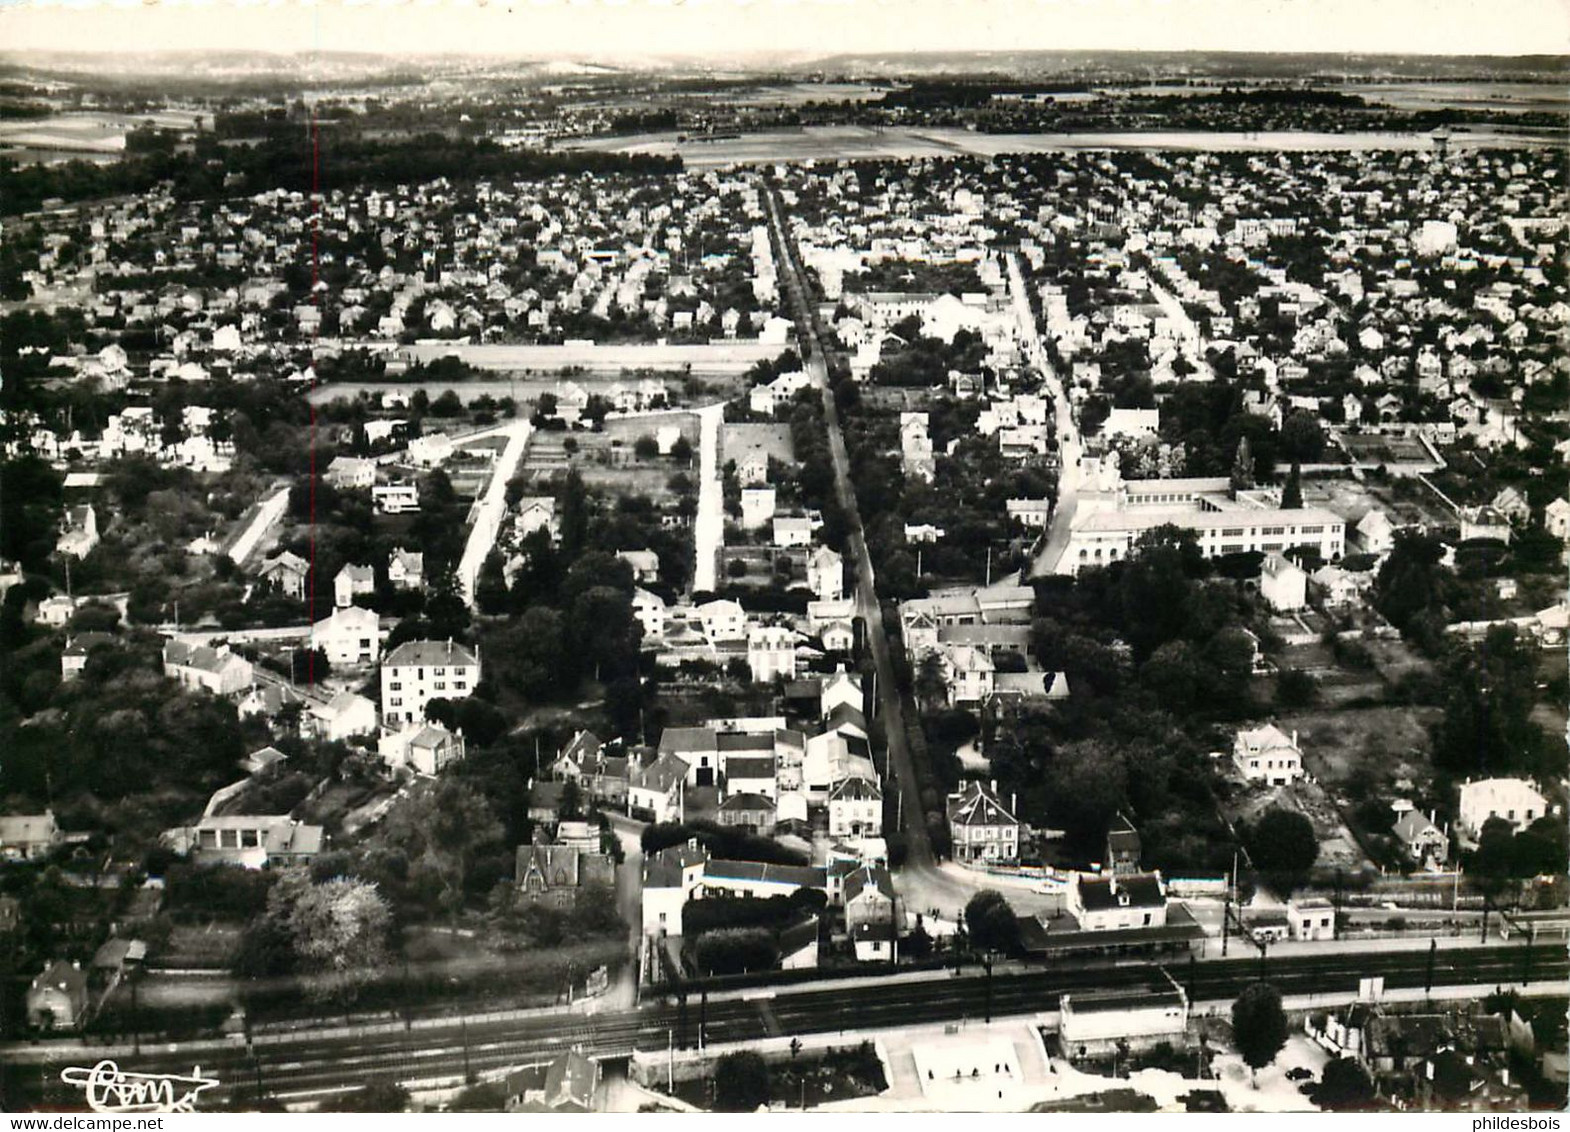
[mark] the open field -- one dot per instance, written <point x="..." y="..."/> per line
<point x="862" y="143"/>
<point x="1390" y="742"/>
<point x="1515" y="98"/>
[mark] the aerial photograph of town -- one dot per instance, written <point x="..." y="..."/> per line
<point x="919" y="557"/>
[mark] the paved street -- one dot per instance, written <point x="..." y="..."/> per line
<point x="1055" y="542"/>
<point x="709" y="525"/>
<point x="491" y="509"/>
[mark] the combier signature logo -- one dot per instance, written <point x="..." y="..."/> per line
<point x="111" y="1089"/>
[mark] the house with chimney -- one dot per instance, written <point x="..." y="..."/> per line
<point x="417" y="672"/>
<point x="287" y="573"/>
<point x="600" y="775"/>
<point x="1268" y="755"/>
<point x="1110" y="902"/>
<point x="557" y="874"/>
<point x="981" y="827"/>
<point x="196" y="665"/>
<point x="1423" y="842"/>
<point x="421" y="748"/>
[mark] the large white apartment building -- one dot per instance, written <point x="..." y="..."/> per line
<point x="417" y="672"/>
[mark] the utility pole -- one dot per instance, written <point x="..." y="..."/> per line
<point x="1428" y="974"/>
<point x="1526" y="953"/>
<point x="986" y="963"/>
<point x="468" y="1075"/>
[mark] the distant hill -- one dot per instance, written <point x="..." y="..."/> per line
<point x="222" y="67"/>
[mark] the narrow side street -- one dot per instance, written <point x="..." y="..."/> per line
<point x="1055" y="542"/>
<point x="491" y="509"/>
<point x="709" y="526"/>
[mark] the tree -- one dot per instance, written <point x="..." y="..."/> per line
<point x="441" y="831"/>
<point x="646" y="447"/>
<point x="1302" y="438"/>
<point x="337" y="929"/>
<point x="1283" y="846"/>
<point x="1491" y="691"/>
<point x="1242" y="467"/>
<point x="1412" y="581"/>
<point x="1259" y="1026"/>
<point x="741" y="1082"/>
<point x="1343" y="1087"/>
<point x="309" y="666"/>
<point x="681" y="451"/>
<point x="991" y="923"/>
<point x="1292" y="493"/>
<point x="932" y="685"/>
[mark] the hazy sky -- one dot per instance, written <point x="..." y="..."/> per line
<point x="616" y="27"/>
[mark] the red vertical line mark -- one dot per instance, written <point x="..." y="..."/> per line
<point x="316" y="330"/>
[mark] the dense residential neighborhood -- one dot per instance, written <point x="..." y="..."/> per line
<point x="633" y="607"/>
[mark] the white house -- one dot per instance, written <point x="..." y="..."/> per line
<point x="723" y="620"/>
<point x="1266" y="754"/>
<point x="1117" y="902"/>
<point x="792" y="530"/>
<point x="425" y="748"/>
<point x="417" y="672"/>
<point x="855" y="808"/>
<point x="351" y="582"/>
<point x="1375" y="533"/>
<point x="645" y="564"/>
<point x="669" y="878"/>
<point x="406" y="569"/>
<point x="1283" y="584"/>
<point x="79" y="532"/>
<point x="842" y="688"/>
<point x="197" y="665"/>
<point x="1556" y="519"/>
<point x="350" y="636"/>
<point x="771" y="653"/>
<point x="968" y="673"/>
<point x="651" y="612"/>
<point x="342" y="717"/>
<point x="826" y="574"/>
<point x="1514" y="800"/>
<point x="656" y="789"/>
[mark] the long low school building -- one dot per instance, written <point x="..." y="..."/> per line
<point x="1105" y="536"/>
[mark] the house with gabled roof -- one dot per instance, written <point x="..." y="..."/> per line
<point x="287" y="572"/>
<point x="342" y="717"/>
<point x="406" y="569"/>
<point x="197" y="665"/>
<point x="78" y="532"/>
<point x="1267" y="754"/>
<point x="655" y="791"/>
<point x="855" y="808"/>
<point x="981" y="828"/>
<point x="1117" y="902"/>
<point x="570" y="1083"/>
